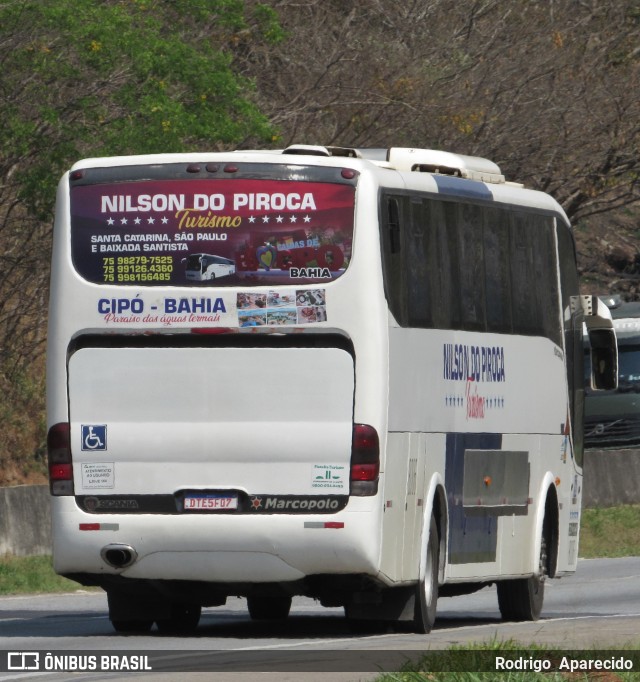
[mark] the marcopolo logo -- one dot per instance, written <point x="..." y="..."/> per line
<point x="297" y="504"/>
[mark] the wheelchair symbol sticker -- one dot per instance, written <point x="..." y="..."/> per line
<point x="94" y="436"/>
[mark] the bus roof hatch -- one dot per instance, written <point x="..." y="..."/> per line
<point x="317" y="150"/>
<point x="444" y="163"/>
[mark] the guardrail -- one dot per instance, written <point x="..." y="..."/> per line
<point x="610" y="479"/>
<point x="25" y="520"/>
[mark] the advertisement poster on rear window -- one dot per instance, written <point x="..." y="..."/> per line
<point x="211" y="233"/>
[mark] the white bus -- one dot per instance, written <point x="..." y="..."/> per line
<point x="205" y="266"/>
<point x="383" y="403"/>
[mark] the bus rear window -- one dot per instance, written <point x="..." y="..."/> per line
<point x="211" y="232"/>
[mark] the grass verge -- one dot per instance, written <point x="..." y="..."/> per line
<point x="544" y="663"/>
<point x="611" y="532"/>
<point x="31" y="574"/>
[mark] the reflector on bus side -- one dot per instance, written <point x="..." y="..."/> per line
<point x="365" y="460"/>
<point x="59" y="460"/>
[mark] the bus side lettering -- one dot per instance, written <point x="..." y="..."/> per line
<point x="476" y="363"/>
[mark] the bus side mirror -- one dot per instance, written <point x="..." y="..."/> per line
<point x="604" y="359"/>
<point x="603" y="342"/>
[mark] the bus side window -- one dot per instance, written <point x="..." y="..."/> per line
<point x="497" y="274"/>
<point x="393" y="225"/>
<point x="527" y="316"/>
<point x="471" y="267"/>
<point x="393" y="238"/>
<point x="416" y="267"/>
<point x="445" y="260"/>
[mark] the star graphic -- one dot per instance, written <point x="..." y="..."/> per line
<point x="252" y="219"/>
<point x="123" y="221"/>
<point x="137" y="221"/>
<point x="151" y="220"/>
<point x="307" y="219"/>
<point x="265" y="218"/>
<point x="256" y="502"/>
<point x="292" y="218"/>
<point x="279" y="219"/>
<point x="165" y="220"/>
<point x="110" y="221"/>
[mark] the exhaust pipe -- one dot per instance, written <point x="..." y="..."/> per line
<point x="118" y="556"/>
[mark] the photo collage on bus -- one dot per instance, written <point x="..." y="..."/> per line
<point x="279" y="308"/>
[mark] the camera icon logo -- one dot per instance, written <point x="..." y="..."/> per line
<point x="23" y="660"/>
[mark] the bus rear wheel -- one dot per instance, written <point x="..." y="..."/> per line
<point x="426" y="599"/>
<point x="522" y="599"/>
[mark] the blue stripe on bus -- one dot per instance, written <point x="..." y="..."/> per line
<point x="472" y="539"/>
<point x="459" y="187"/>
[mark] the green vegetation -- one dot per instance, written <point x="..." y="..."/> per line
<point x="457" y="661"/>
<point x="613" y="532"/>
<point x="86" y="79"/>
<point x="127" y="77"/>
<point x="25" y="575"/>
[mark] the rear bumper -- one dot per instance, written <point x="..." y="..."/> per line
<point x="219" y="548"/>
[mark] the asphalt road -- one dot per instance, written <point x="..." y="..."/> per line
<point x="599" y="607"/>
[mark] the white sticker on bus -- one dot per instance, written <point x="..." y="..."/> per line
<point x="98" y="475"/>
<point x="330" y="477"/>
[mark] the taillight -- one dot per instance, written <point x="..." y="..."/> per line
<point x="59" y="460"/>
<point x="365" y="460"/>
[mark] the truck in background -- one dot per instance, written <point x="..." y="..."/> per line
<point x="612" y="417"/>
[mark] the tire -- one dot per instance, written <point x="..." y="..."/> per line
<point x="269" y="608"/>
<point x="128" y="613"/>
<point x="132" y="627"/>
<point x="522" y="599"/>
<point x="184" y="618"/>
<point x="426" y="599"/>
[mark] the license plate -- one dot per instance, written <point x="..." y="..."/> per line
<point x="210" y="502"/>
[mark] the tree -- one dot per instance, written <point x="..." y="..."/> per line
<point x="104" y="78"/>
<point x="93" y="78"/>
<point x="547" y="89"/>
